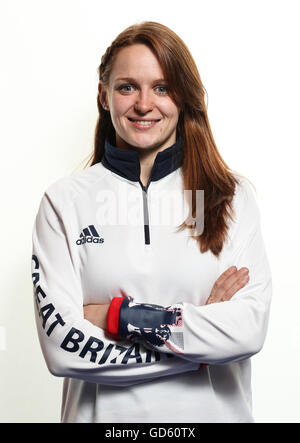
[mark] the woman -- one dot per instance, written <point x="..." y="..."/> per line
<point x="148" y="322"/>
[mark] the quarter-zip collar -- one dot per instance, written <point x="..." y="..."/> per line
<point x="126" y="163"/>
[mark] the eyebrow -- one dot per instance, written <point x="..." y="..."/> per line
<point x="132" y="80"/>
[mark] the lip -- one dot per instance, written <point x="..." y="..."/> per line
<point x="135" y="123"/>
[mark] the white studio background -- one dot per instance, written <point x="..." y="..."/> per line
<point x="247" y="55"/>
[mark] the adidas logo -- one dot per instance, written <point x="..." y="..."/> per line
<point x="89" y="235"/>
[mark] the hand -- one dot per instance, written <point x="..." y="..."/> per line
<point x="96" y="314"/>
<point x="228" y="284"/>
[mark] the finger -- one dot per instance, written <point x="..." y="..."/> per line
<point x="217" y="299"/>
<point x="219" y="290"/>
<point x="223" y="277"/>
<point x="239" y="284"/>
<point x="235" y="277"/>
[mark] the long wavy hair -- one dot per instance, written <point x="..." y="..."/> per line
<point x="203" y="167"/>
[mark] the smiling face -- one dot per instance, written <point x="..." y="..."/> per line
<point x="142" y="112"/>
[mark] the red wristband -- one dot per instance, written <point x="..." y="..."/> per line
<point x="112" y="322"/>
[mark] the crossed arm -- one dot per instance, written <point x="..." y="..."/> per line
<point x="229" y="282"/>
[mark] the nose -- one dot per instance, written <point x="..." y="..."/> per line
<point x="143" y="102"/>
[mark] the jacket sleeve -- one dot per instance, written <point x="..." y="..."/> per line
<point x="217" y="333"/>
<point x="72" y="346"/>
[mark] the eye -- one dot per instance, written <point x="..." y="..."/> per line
<point x="162" y="89"/>
<point x="125" y="88"/>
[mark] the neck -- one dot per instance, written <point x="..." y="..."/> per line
<point x="146" y="156"/>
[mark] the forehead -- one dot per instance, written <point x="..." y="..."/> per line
<point x="136" y="61"/>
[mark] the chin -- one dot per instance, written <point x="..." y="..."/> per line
<point x="144" y="142"/>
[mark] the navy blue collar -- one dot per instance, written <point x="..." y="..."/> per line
<point x="126" y="163"/>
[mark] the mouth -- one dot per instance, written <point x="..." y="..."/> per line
<point x="143" y="124"/>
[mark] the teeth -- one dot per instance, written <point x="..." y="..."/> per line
<point x="144" y="123"/>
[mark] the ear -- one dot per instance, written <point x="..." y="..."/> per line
<point x="103" y="96"/>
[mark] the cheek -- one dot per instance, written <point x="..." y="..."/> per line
<point x="169" y="109"/>
<point x="120" y="106"/>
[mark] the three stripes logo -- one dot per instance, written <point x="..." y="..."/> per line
<point x="89" y="235"/>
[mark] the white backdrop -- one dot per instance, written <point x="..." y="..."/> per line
<point x="247" y="53"/>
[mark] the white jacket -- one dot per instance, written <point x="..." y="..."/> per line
<point x="99" y="231"/>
